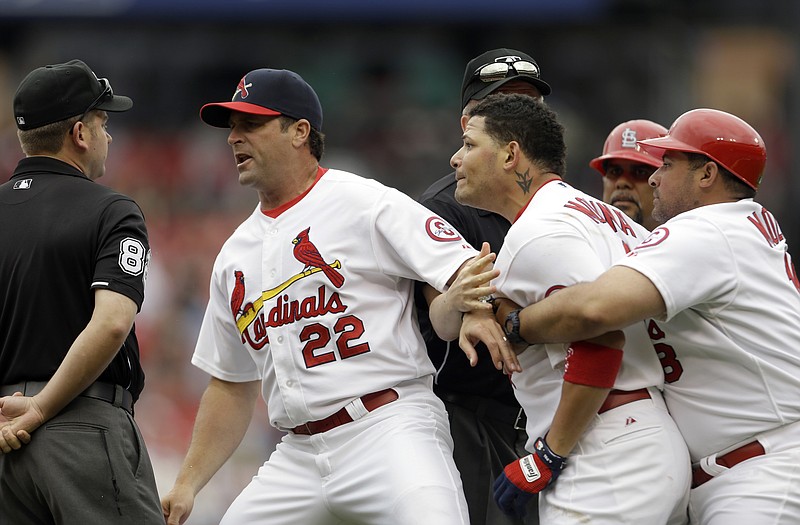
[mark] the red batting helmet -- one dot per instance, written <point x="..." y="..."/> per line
<point x="724" y="138"/>
<point x="621" y="144"/>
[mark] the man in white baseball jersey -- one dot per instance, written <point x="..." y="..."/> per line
<point x="721" y="298"/>
<point x="623" y="459"/>
<point x="626" y="169"/>
<point x="311" y="305"/>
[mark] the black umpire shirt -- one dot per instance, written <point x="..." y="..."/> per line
<point x="453" y="371"/>
<point x="61" y="237"/>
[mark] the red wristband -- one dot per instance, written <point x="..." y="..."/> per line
<point x="591" y="364"/>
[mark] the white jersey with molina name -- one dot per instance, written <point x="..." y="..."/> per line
<point x="730" y="340"/>
<point x="564" y="237"/>
<point x="316" y="298"/>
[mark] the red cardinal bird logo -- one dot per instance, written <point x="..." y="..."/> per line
<point x="307" y="253"/>
<point x="237" y="296"/>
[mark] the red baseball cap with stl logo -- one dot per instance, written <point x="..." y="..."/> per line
<point x="268" y="92"/>
<point x="621" y="144"/>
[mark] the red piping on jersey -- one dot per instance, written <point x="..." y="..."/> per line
<point x="534" y="193"/>
<point x="273" y="213"/>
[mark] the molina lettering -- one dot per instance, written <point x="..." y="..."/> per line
<point x="767" y="226"/>
<point x="602" y="214"/>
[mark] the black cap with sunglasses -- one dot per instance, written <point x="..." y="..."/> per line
<point x="57" y="92"/>
<point x="487" y="72"/>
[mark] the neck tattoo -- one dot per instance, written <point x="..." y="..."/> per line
<point x="524" y="181"/>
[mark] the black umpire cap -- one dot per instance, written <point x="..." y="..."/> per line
<point x="488" y="71"/>
<point x="60" y="91"/>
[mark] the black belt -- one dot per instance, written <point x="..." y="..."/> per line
<point x="114" y="394"/>
<point x="487" y="407"/>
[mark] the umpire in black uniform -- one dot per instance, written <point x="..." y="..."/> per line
<point x="486" y="421"/>
<point x="73" y="261"/>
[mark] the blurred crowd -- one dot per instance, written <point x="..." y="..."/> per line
<point x="391" y="112"/>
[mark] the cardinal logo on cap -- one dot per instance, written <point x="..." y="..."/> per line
<point x="629" y="138"/>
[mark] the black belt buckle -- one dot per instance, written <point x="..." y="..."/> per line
<point x="519" y="422"/>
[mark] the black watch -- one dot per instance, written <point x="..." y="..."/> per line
<point x="511" y="328"/>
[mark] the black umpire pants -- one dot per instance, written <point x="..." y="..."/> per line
<point x="485" y="441"/>
<point x="88" y="465"/>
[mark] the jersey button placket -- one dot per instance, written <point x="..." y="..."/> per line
<point x="276" y="251"/>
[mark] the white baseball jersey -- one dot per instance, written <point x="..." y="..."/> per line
<point x="564" y="237"/>
<point x="316" y="298"/>
<point x="730" y="339"/>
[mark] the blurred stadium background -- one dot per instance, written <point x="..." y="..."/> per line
<point x="388" y="73"/>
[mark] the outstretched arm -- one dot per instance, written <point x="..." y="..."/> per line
<point x="222" y="419"/>
<point x="465" y="302"/>
<point x="466" y="289"/>
<point x="618" y="298"/>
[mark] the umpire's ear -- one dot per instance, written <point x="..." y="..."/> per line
<point x="78" y="136"/>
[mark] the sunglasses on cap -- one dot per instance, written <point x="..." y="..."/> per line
<point x="494" y="71"/>
<point x="106" y="93"/>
